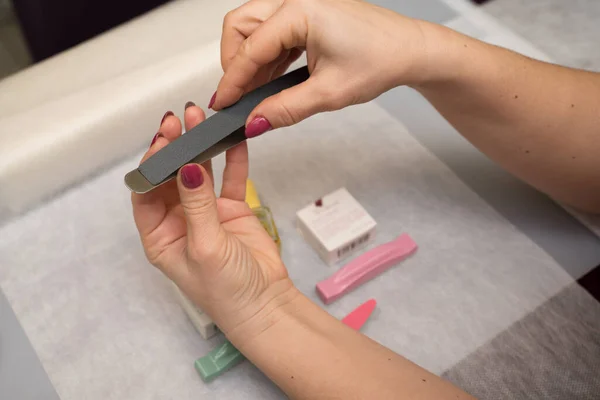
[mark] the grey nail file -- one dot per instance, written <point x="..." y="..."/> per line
<point x="208" y="139"/>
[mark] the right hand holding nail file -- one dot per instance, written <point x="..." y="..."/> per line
<point x="365" y="267"/>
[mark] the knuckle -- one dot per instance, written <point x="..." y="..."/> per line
<point x="246" y="48"/>
<point x="197" y="207"/>
<point x="205" y="252"/>
<point x="155" y="245"/>
<point x="153" y="257"/>
<point x="288" y="115"/>
<point x="196" y="252"/>
<point x="248" y="56"/>
<point x="153" y="253"/>
<point x="229" y="19"/>
<point x="331" y="99"/>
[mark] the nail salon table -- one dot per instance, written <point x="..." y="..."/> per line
<point x="492" y="300"/>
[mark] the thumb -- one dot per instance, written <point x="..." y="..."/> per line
<point x="199" y="205"/>
<point x="291" y="106"/>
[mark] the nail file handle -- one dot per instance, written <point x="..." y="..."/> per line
<point x="365" y="267"/>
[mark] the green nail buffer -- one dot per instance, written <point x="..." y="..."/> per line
<point x="218" y="361"/>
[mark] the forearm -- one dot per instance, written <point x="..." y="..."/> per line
<point x="539" y="121"/>
<point x="311" y="355"/>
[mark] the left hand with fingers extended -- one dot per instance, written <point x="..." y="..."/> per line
<point x="213" y="248"/>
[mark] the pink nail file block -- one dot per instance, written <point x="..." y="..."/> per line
<point x="365" y="267"/>
<point x="357" y="318"/>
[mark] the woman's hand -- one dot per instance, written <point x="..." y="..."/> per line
<point x="214" y="249"/>
<point x="355" y="52"/>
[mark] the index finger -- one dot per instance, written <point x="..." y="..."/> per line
<point x="150" y="208"/>
<point x="283" y="31"/>
<point x="238" y="24"/>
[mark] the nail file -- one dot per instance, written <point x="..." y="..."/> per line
<point x="365" y="267"/>
<point x="226" y="356"/>
<point x="208" y="139"/>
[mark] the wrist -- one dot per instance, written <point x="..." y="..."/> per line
<point x="443" y="57"/>
<point x="271" y="307"/>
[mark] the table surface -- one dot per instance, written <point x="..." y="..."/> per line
<point x="490" y="301"/>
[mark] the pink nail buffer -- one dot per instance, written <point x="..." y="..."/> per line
<point x="357" y="318"/>
<point x="365" y="267"/>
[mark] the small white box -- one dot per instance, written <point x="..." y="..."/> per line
<point x="336" y="226"/>
<point x="202" y="322"/>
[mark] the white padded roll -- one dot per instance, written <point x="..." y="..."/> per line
<point x="155" y="36"/>
<point x="64" y="119"/>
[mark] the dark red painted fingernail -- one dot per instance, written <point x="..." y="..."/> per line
<point x="189" y="104"/>
<point x="191" y="176"/>
<point x="155" y="138"/>
<point x="257" y="126"/>
<point x="167" y="114"/>
<point x="212" y="100"/>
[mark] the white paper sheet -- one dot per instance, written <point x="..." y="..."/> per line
<point x="106" y="324"/>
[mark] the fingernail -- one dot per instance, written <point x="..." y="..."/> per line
<point x="155" y="138"/>
<point x="189" y="104"/>
<point x="257" y="126"/>
<point x="167" y="114"/>
<point x="191" y="176"/>
<point x="212" y="100"/>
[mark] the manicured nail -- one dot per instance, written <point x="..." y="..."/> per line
<point x="155" y="138"/>
<point x="212" y="100"/>
<point x="257" y="126"/>
<point x="189" y="104"/>
<point x="191" y="176"/>
<point x="167" y="114"/>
